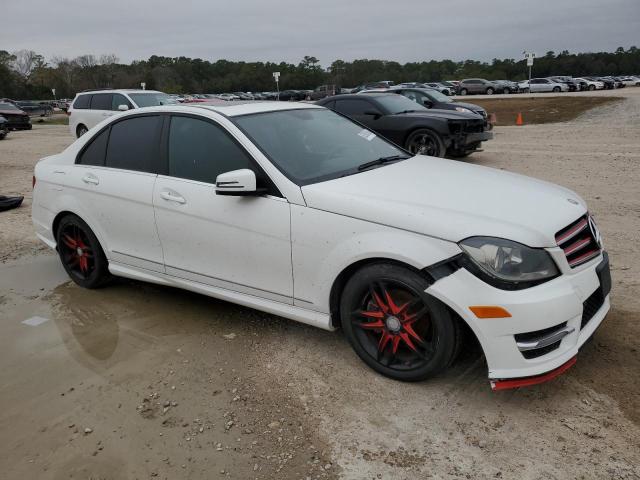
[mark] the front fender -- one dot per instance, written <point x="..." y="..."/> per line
<point x="324" y="244"/>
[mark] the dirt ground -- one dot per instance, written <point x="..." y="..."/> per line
<point x="536" y="110"/>
<point x="137" y="381"/>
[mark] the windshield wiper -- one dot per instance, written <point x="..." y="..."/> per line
<point x="381" y="161"/>
<point x="405" y="111"/>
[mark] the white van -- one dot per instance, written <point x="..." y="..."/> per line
<point x="91" y="107"/>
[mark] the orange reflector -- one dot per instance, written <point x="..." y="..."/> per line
<point x="482" y="311"/>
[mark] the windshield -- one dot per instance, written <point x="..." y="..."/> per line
<point x="8" y="106"/>
<point x="398" y="104"/>
<point x="314" y="145"/>
<point x="439" y="97"/>
<point x="152" y="99"/>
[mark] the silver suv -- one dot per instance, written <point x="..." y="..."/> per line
<point x="476" y="85"/>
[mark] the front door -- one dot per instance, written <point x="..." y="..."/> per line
<point x="241" y="244"/>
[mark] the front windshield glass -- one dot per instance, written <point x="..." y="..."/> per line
<point x="152" y="99"/>
<point x="8" y="106"/>
<point x="439" y="97"/>
<point x="314" y="145"/>
<point x="398" y="104"/>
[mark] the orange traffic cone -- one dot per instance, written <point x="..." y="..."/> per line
<point x="519" y="119"/>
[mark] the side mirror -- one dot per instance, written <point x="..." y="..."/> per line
<point x="123" y="108"/>
<point x="373" y="113"/>
<point x="238" y="183"/>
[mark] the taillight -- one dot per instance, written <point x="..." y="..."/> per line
<point x="33" y="182"/>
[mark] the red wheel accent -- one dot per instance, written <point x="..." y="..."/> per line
<point x="393" y="320"/>
<point x="77" y="252"/>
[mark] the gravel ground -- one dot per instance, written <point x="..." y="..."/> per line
<point x="140" y="381"/>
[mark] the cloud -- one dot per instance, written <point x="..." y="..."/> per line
<point x="405" y="30"/>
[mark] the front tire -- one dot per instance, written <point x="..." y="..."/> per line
<point x="489" y="91"/>
<point x="556" y="89"/>
<point x="394" y="326"/>
<point x="425" y="142"/>
<point x="592" y="87"/>
<point x="81" y="254"/>
<point x="463" y="91"/>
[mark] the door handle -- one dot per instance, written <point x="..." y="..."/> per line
<point x="172" y="197"/>
<point x="92" y="179"/>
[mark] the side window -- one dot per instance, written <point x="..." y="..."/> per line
<point x="133" y="143"/>
<point x="82" y="102"/>
<point x="101" y="101"/>
<point x="411" y="95"/>
<point x="118" y="100"/>
<point x="352" y="107"/>
<point x="95" y="152"/>
<point x="200" y="150"/>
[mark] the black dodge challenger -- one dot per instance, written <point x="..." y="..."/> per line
<point x="417" y="129"/>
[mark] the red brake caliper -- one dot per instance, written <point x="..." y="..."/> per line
<point x="386" y="308"/>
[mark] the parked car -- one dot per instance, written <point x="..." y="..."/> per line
<point x="608" y="84"/>
<point x="476" y="85"/>
<point x="291" y="95"/>
<point x="323" y="91"/>
<point x="4" y="127"/>
<point x="541" y="85"/>
<point x="322" y="221"/>
<point x="591" y="84"/>
<point x="16" y="118"/>
<point x="34" y="109"/>
<point x="631" y="81"/>
<point x="91" y="107"/>
<point x="505" y="86"/>
<point x="446" y="90"/>
<point x="417" y="129"/>
<point x="571" y="84"/>
<point x="432" y="98"/>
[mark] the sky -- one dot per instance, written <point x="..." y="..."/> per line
<point x="287" y="30"/>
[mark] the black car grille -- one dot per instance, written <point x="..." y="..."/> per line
<point x="578" y="241"/>
<point x="11" y="118"/>
<point x="474" y="126"/>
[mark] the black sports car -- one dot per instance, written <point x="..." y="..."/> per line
<point x="432" y="98"/>
<point x="412" y="126"/>
<point x="18" y="120"/>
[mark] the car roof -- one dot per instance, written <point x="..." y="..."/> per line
<point x="119" y="90"/>
<point x="232" y="109"/>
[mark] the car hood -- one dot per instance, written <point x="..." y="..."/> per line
<point x="451" y="200"/>
<point x="12" y="112"/>
<point x="440" y="113"/>
<point x="471" y="106"/>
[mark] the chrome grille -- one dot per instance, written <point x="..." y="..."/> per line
<point x="578" y="241"/>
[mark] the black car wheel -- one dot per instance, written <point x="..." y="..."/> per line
<point x="556" y="89"/>
<point x="506" y="90"/>
<point x="463" y="91"/>
<point x="394" y="326"/>
<point x="489" y="91"/>
<point x="592" y="87"/>
<point x="81" y="254"/>
<point x="425" y="142"/>
<point x="81" y="130"/>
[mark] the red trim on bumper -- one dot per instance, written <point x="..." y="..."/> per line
<point x="535" y="380"/>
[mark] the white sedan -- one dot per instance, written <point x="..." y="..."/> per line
<point x="295" y="210"/>
<point x="539" y="85"/>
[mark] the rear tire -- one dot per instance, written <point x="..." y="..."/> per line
<point x="394" y="326"/>
<point x="81" y="254"/>
<point x="425" y="142"/>
<point x="592" y="87"/>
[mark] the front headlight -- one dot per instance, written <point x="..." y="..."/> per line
<point x="506" y="264"/>
<point x="463" y="110"/>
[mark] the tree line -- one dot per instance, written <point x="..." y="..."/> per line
<point x="27" y="74"/>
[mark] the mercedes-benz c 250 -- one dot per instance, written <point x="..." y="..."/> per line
<point x="298" y="211"/>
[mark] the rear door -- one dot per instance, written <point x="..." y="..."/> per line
<point x="99" y="109"/>
<point x="114" y="178"/>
